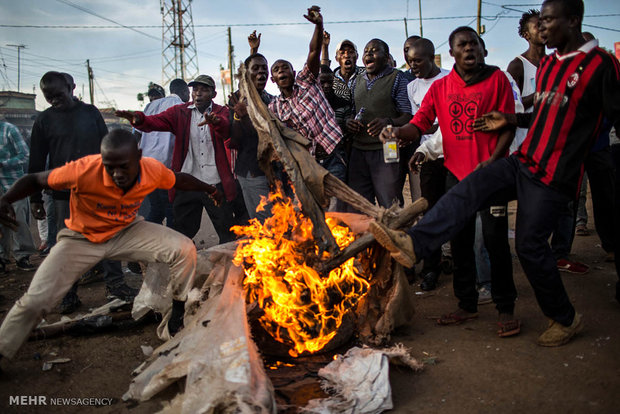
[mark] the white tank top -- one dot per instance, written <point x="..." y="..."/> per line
<point x="529" y="87"/>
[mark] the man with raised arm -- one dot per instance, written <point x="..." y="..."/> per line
<point x="302" y="105"/>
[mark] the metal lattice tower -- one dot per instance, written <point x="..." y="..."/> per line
<point x="179" y="58"/>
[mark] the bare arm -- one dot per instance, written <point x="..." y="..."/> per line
<point x="188" y="182"/>
<point x="325" y="49"/>
<point x="314" y="55"/>
<point x="28" y="184"/>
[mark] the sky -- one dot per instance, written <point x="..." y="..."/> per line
<point x="124" y="61"/>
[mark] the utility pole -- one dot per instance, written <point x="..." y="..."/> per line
<point x="479" y="27"/>
<point x="91" y="87"/>
<point x="231" y="63"/>
<point x="19" y="48"/>
<point x="406" y="31"/>
<point x="420" y="11"/>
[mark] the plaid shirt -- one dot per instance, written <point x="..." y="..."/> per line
<point x="342" y="88"/>
<point x="308" y="112"/>
<point x="13" y="155"/>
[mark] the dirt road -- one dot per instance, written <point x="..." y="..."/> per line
<point x="476" y="371"/>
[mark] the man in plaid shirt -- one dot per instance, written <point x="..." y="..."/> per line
<point x="13" y="158"/>
<point x="303" y="106"/>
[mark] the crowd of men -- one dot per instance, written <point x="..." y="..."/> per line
<point x="470" y="139"/>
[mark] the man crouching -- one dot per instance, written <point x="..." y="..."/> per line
<point x="106" y="192"/>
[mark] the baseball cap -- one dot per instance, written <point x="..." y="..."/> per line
<point x="346" y="42"/>
<point x="204" y="79"/>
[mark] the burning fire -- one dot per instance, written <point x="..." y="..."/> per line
<point x="302" y="308"/>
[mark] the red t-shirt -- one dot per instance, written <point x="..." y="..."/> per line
<point x="99" y="209"/>
<point x="456" y="105"/>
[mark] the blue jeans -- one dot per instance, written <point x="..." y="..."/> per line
<point x="537" y="210"/>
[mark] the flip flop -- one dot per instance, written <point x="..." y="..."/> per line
<point x="456" y="318"/>
<point x="509" y="328"/>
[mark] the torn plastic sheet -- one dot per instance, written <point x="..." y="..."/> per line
<point x="359" y="381"/>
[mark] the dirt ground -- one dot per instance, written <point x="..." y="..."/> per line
<point x="475" y="370"/>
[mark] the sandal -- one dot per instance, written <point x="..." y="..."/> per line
<point x="509" y="328"/>
<point x="456" y="318"/>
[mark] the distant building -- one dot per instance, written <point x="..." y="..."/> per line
<point x="19" y="109"/>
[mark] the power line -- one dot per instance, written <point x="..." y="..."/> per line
<point x="85" y="10"/>
<point x="132" y="27"/>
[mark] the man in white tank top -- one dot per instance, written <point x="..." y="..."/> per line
<point x="523" y="67"/>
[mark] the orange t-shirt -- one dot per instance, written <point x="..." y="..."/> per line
<point x="99" y="209"/>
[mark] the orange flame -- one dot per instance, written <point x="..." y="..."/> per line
<point x="301" y="307"/>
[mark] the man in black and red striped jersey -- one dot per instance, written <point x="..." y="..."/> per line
<point x="576" y="87"/>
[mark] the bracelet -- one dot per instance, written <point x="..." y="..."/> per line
<point x="236" y="117"/>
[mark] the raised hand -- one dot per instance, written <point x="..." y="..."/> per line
<point x="314" y="15"/>
<point x="254" y="41"/>
<point x="326" y="38"/>
<point x="493" y="121"/>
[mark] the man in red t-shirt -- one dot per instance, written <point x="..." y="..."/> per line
<point x="471" y="89"/>
<point x="106" y="193"/>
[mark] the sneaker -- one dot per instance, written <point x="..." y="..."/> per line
<point x="70" y="303"/>
<point x="429" y="281"/>
<point x="122" y="292"/>
<point x="558" y="334"/>
<point x="572" y="267"/>
<point x="24" y="264"/>
<point x="397" y="242"/>
<point x="484" y="296"/>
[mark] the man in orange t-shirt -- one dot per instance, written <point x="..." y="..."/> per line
<point x="106" y="193"/>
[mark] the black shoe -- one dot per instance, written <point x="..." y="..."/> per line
<point x="24" y="264"/>
<point x="122" y="292"/>
<point x="70" y="303"/>
<point x="134" y="267"/>
<point x="429" y="281"/>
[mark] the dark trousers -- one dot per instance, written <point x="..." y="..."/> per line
<point x="432" y="187"/>
<point x="615" y="156"/>
<point x="188" y="207"/>
<point x="373" y="178"/>
<point x="160" y="208"/>
<point x="495" y="231"/>
<point x="505" y="179"/>
<point x="600" y="171"/>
